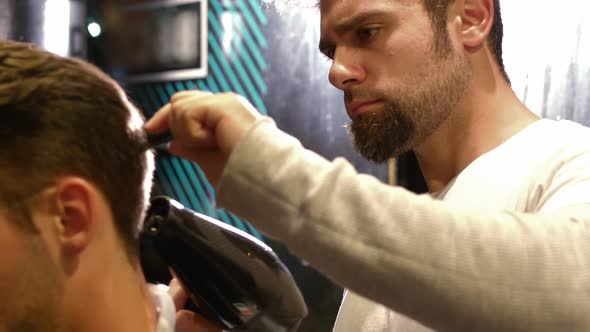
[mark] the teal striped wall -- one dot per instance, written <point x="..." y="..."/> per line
<point x="236" y="64"/>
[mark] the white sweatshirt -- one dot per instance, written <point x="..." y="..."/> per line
<point x="507" y="249"/>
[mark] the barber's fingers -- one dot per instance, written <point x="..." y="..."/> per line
<point x="204" y="107"/>
<point x="190" y="120"/>
<point x="179" y="295"/>
<point x="188" y="321"/>
<point x="225" y="115"/>
<point x="159" y="122"/>
<point x="204" y="124"/>
<point x="188" y="94"/>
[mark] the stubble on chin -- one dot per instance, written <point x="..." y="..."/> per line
<point x="407" y="122"/>
<point x="379" y="136"/>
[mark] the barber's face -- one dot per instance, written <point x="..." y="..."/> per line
<point x="29" y="287"/>
<point x="398" y="87"/>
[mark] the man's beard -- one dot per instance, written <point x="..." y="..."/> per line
<point x="40" y="290"/>
<point x="408" y="120"/>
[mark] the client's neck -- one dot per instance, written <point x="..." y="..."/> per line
<point x="113" y="298"/>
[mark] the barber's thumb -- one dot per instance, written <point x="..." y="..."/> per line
<point x="179" y="295"/>
<point x="158" y="122"/>
<point x="188" y="321"/>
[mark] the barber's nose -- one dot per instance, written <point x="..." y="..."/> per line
<point x="346" y="71"/>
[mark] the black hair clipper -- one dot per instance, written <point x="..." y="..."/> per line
<point x="234" y="279"/>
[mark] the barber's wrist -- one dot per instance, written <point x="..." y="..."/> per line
<point x="242" y="151"/>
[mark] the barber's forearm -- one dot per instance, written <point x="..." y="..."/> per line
<point x="450" y="268"/>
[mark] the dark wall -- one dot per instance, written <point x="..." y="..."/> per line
<point x="26" y="20"/>
<point x="304" y="104"/>
<point x="29" y="25"/>
<point x="300" y="98"/>
<point x="6" y="17"/>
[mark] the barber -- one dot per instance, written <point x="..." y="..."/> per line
<point x="502" y="241"/>
<point x="450" y="267"/>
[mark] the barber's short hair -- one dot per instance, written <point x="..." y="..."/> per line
<point x="60" y="117"/>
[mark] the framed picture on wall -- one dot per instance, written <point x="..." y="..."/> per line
<point x="159" y="40"/>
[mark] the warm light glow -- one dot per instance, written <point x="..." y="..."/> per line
<point x="94" y="29"/>
<point x="56" y="26"/>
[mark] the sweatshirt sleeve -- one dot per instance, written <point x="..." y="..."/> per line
<point x="447" y="267"/>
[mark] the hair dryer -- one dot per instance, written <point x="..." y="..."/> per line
<point x="234" y="279"/>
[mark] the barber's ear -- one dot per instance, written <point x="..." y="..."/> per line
<point x="74" y="202"/>
<point x="477" y="17"/>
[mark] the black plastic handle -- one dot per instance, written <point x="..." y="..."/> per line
<point x="157" y="139"/>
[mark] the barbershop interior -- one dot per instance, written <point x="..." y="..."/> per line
<point x="236" y="274"/>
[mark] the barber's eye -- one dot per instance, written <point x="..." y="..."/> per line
<point x="367" y="34"/>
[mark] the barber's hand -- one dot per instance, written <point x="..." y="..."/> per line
<point x="186" y="320"/>
<point x="206" y="127"/>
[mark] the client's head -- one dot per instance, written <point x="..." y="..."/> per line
<point x="75" y="180"/>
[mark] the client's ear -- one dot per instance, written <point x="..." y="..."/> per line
<point x="477" y="17"/>
<point x="75" y="202"/>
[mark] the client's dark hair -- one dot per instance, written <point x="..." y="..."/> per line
<point x="62" y="116"/>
